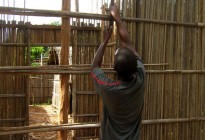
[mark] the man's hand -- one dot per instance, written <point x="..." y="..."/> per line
<point x="100" y="52"/>
<point x="114" y="12"/>
<point x="123" y="33"/>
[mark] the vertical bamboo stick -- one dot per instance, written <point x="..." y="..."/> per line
<point x="1" y="76"/>
<point x="74" y="78"/>
<point x="203" y="67"/>
<point x="27" y="38"/>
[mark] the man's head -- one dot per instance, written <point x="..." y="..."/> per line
<point x="125" y="63"/>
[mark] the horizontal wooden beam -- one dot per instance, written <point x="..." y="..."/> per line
<point x="46" y="128"/>
<point x="173" y="120"/>
<point x="39" y="78"/>
<point x="25" y="25"/>
<point x="12" y="120"/>
<point x="53" y="13"/>
<point x="87" y="138"/>
<point x="86" y="92"/>
<point x="80" y="70"/>
<point x="176" y="71"/>
<point x="50" y="44"/>
<point x="85" y="115"/>
<point x="47" y="70"/>
<point x="3" y="24"/>
<point x="111" y="65"/>
<point x="50" y="13"/>
<point x="13" y="44"/>
<point x="12" y="95"/>
<point x="41" y="87"/>
<point x="28" y="129"/>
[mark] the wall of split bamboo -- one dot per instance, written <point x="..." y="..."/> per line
<point x="85" y="98"/>
<point x="41" y="87"/>
<point x="13" y="88"/>
<point x="16" y="38"/>
<point x="172" y="96"/>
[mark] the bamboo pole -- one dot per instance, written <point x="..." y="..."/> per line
<point x="29" y="26"/>
<point x="77" y="70"/>
<point x="46" y="27"/>
<point x="43" y="44"/>
<point x="52" y="13"/>
<point x="174" y="120"/>
<point x="27" y="91"/>
<point x="74" y="60"/>
<point x="12" y="120"/>
<point x="18" y="130"/>
<point x="66" y="67"/>
<point x="64" y="78"/>
<point x="202" y="81"/>
<point x="51" y="44"/>
<point x="12" y="95"/>
<point x="46" y="128"/>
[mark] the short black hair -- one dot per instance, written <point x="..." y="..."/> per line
<point x="125" y="63"/>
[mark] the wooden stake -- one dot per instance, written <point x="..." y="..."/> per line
<point x="64" y="78"/>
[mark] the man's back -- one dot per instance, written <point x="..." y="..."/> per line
<point x="123" y="104"/>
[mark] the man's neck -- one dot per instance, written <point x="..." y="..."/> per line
<point x="126" y="79"/>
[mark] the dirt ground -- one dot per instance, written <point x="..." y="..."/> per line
<point x="43" y="115"/>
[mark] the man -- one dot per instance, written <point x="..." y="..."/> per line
<point x="122" y="98"/>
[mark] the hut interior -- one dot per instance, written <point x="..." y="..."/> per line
<point x="169" y="35"/>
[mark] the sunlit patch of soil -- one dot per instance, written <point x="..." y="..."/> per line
<point x="43" y="115"/>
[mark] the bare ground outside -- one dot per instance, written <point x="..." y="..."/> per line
<point x="44" y="115"/>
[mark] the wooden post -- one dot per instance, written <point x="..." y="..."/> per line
<point x="74" y="60"/>
<point x="64" y="78"/>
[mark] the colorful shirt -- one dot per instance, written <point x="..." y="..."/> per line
<point x="122" y="104"/>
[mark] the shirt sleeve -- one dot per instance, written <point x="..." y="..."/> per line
<point x="140" y="70"/>
<point x="101" y="80"/>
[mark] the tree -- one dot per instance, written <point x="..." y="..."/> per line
<point x="56" y="23"/>
<point x="35" y="54"/>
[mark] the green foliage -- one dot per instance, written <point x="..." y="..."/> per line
<point x="35" y="54"/>
<point x="35" y="64"/>
<point x="56" y="23"/>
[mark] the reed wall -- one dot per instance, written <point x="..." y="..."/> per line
<point x="169" y="36"/>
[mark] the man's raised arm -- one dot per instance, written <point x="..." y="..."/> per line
<point x="100" y="52"/>
<point x="123" y="33"/>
